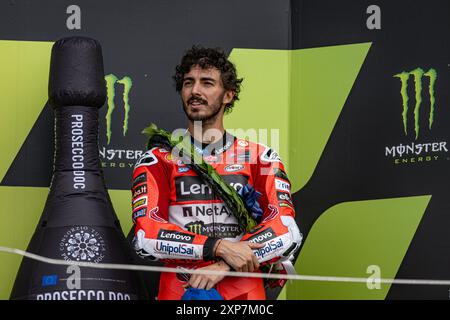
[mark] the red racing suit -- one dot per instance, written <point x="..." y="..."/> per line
<point x="178" y="218"/>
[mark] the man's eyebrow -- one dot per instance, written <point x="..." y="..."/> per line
<point x="201" y="79"/>
<point x="207" y="79"/>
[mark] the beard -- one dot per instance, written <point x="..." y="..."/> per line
<point x="205" y="115"/>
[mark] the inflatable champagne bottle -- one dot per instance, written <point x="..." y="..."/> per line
<point x="78" y="222"/>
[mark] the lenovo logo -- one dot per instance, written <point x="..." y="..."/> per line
<point x="192" y="188"/>
<point x="175" y="236"/>
<point x="264" y="236"/>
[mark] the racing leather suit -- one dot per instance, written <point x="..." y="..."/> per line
<point x="178" y="218"/>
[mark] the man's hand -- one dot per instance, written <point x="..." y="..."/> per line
<point x="239" y="255"/>
<point x="202" y="281"/>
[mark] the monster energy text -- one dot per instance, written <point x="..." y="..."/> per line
<point x="416" y="159"/>
<point x="416" y="149"/>
<point x="417" y="152"/>
<point x="121" y="157"/>
<point x="221" y="230"/>
<point x="413" y="152"/>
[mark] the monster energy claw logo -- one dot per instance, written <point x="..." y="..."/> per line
<point x="127" y="83"/>
<point x="418" y="75"/>
<point x="195" y="227"/>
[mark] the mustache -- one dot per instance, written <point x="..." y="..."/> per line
<point x="197" y="99"/>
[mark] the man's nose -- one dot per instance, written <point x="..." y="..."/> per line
<point x="196" y="89"/>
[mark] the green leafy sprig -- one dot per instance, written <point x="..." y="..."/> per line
<point x="185" y="149"/>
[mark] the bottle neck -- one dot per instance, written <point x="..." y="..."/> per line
<point x="76" y="157"/>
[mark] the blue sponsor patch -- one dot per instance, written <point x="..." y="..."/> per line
<point x="138" y="214"/>
<point x="183" y="169"/>
<point x="51" y="280"/>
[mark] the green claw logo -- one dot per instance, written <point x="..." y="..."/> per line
<point x="127" y="83"/>
<point x="195" y="227"/>
<point x="418" y="75"/>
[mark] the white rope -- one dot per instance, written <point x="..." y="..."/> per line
<point x="224" y="273"/>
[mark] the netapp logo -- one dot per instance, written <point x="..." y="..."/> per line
<point x="264" y="236"/>
<point x="175" y="236"/>
<point x="202" y="210"/>
<point x="193" y="189"/>
<point x="77" y="152"/>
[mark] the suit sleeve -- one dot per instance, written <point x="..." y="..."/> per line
<point x="278" y="229"/>
<point x="155" y="238"/>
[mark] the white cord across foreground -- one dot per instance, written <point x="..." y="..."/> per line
<point x="225" y="273"/>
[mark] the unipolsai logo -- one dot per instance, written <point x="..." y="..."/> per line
<point x="417" y="91"/>
<point x="121" y="157"/>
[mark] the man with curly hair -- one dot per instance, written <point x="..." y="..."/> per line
<point x="178" y="218"/>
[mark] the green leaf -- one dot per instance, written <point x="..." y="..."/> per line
<point x="228" y="194"/>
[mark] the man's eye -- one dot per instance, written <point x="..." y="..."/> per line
<point x="187" y="83"/>
<point x="208" y="84"/>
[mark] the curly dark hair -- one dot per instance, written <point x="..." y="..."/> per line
<point x="207" y="58"/>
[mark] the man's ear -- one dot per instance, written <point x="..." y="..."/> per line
<point x="228" y="97"/>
